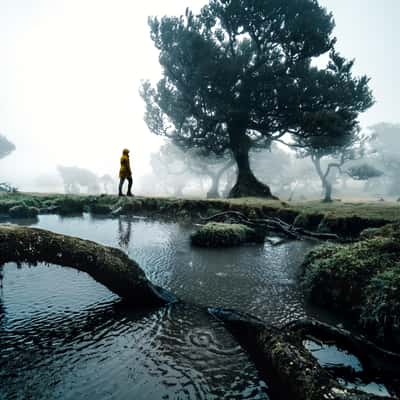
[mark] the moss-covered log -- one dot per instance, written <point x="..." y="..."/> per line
<point x="108" y="266"/>
<point x="281" y="357"/>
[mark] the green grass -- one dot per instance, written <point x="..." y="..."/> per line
<point x="335" y="216"/>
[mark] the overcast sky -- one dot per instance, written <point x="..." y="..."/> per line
<point x="70" y="71"/>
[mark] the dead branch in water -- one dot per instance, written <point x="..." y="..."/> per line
<point x="271" y="224"/>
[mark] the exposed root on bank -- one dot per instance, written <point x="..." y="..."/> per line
<point x="108" y="266"/>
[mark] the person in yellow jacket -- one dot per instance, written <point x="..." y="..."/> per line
<point x="125" y="173"/>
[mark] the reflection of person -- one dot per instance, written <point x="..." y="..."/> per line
<point x="125" y="173"/>
<point x="124" y="233"/>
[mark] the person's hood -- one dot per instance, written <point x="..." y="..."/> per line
<point x="125" y="152"/>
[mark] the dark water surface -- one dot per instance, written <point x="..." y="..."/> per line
<point x="64" y="336"/>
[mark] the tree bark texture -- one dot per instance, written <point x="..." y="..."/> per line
<point x="246" y="184"/>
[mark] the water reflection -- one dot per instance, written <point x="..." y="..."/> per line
<point x="65" y="336"/>
<point x="259" y="279"/>
<point x="124" y="232"/>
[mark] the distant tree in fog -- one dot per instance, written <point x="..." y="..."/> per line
<point x="385" y="145"/>
<point x="175" y="169"/>
<point x="330" y="127"/>
<point x="363" y="172"/>
<point x="273" y="164"/>
<point x="109" y="184"/>
<point x="238" y="76"/>
<point x="170" y="174"/>
<point x="6" y="147"/>
<point x="75" y="179"/>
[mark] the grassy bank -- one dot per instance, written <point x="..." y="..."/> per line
<point x="361" y="279"/>
<point x="346" y="219"/>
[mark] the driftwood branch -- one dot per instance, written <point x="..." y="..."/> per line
<point x="272" y="224"/>
<point x="108" y="266"/>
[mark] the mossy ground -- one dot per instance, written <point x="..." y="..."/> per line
<point x="346" y="219"/>
<point x="362" y="279"/>
<point x="215" y="234"/>
<point x="23" y="211"/>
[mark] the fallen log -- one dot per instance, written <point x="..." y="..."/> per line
<point x="376" y="359"/>
<point x="286" y="364"/>
<point x="108" y="266"/>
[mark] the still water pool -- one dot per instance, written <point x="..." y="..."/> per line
<point x="64" y="336"/>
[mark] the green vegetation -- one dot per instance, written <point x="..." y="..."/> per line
<point x="23" y="211"/>
<point x="215" y="234"/>
<point x="269" y="84"/>
<point x="362" y="279"/>
<point x="346" y="219"/>
<point x="99" y="208"/>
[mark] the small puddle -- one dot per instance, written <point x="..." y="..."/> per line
<point x="338" y="360"/>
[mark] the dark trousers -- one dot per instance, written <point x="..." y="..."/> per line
<point x="121" y="182"/>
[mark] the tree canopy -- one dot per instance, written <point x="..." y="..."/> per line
<point x="239" y="75"/>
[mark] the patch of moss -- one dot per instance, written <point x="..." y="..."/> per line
<point x="99" y="208"/>
<point x="361" y="279"/>
<point x="23" y="211"/>
<point x="308" y="221"/>
<point x="70" y="205"/>
<point x="337" y="274"/>
<point x="380" y="311"/>
<point x="217" y="234"/>
<point x="348" y="226"/>
<point x="390" y="230"/>
<point x="5" y="205"/>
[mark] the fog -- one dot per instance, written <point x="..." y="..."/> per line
<point x="70" y="74"/>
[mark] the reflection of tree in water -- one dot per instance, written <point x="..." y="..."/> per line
<point x="124" y="232"/>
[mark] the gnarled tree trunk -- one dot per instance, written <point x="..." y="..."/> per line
<point x="326" y="184"/>
<point x="246" y="184"/>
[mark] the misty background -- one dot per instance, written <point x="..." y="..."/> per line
<point x="70" y="74"/>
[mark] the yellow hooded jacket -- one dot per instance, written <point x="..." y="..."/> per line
<point x="125" y="170"/>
